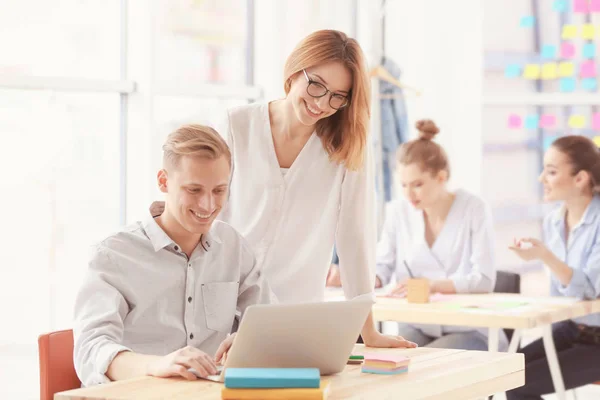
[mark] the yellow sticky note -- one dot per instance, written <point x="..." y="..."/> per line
<point x="566" y="69"/>
<point x="596" y="140"/>
<point x="588" y="31"/>
<point x="569" y="32"/>
<point x="577" y="121"/>
<point x="531" y="71"/>
<point x="549" y="71"/>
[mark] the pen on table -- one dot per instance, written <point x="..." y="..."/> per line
<point x="408" y="269"/>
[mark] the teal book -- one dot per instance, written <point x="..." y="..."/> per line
<point x="244" y="378"/>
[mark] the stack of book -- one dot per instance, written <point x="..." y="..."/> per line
<point x="273" y="383"/>
<point x="386" y="364"/>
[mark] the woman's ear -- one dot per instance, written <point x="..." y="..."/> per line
<point x="442" y="176"/>
<point x="583" y="180"/>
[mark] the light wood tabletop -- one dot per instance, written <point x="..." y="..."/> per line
<point x="433" y="374"/>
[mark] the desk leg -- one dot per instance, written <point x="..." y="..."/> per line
<point x="493" y="339"/>
<point x="514" y="341"/>
<point x="557" y="379"/>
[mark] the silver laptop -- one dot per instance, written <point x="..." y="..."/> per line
<point x="308" y="335"/>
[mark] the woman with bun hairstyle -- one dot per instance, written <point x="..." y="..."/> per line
<point x="571" y="251"/>
<point x="443" y="236"/>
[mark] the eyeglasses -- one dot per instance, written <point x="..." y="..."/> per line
<point x="318" y="90"/>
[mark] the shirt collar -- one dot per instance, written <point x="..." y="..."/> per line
<point x="588" y="216"/>
<point x="160" y="239"/>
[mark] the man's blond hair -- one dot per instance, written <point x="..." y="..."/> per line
<point x="195" y="141"/>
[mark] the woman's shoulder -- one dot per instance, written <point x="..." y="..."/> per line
<point x="470" y="201"/>
<point x="245" y="112"/>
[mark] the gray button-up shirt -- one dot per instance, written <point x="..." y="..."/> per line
<point x="142" y="293"/>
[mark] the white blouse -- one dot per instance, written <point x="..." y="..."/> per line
<point x="463" y="251"/>
<point x="292" y="220"/>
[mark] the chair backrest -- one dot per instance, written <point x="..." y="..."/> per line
<point x="507" y="282"/>
<point x="57" y="372"/>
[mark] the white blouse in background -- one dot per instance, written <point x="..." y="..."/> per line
<point x="292" y="219"/>
<point x="463" y="251"/>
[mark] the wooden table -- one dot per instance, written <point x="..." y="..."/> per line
<point x="494" y="311"/>
<point x="433" y="374"/>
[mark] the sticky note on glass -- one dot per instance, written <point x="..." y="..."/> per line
<point x="569" y="32"/>
<point x="531" y="122"/>
<point x="550" y="71"/>
<point x="514" y="121"/>
<point x="580" y="6"/>
<point x="532" y="71"/>
<point x="547" y="142"/>
<point x="587" y="69"/>
<point x="567" y="84"/>
<point x="527" y="21"/>
<point x="588" y="31"/>
<point x="596" y="140"/>
<point x="589" y="50"/>
<point x="596" y="121"/>
<point x="547" y="121"/>
<point x="512" y="71"/>
<point x="567" y="50"/>
<point x="595" y="5"/>
<point x="577" y="121"/>
<point x="590" y="84"/>
<point x="549" y="51"/>
<point x="566" y="69"/>
<point x="559" y="5"/>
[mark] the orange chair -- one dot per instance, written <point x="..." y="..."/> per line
<point x="57" y="372"/>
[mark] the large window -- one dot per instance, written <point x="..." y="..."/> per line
<point x="88" y="91"/>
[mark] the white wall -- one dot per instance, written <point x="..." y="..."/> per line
<point x="438" y="44"/>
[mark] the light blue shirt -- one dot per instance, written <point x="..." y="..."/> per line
<point x="581" y="252"/>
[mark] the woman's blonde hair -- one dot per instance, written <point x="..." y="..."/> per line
<point x="344" y="134"/>
<point x="195" y="141"/>
<point x="423" y="151"/>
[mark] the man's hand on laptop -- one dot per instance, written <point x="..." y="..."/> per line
<point x="221" y="353"/>
<point x="180" y="361"/>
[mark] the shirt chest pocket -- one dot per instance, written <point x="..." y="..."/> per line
<point x="220" y="301"/>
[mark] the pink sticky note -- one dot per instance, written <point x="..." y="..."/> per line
<point x="580" y="6"/>
<point x="547" y="121"/>
<point x="514" y="121"/>
<point x="587" y="69"/>
<point x="385" y="357"/>
<point x="567" y="50"/>
<point x="595" y="5"/>
<point x="596" y="121"/>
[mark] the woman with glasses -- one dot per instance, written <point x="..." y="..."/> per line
<point x="303" y="176"/>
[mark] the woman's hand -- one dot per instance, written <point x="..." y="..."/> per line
<point x="529" y="249"/>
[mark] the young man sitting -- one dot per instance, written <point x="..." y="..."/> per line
<point x="160" y="296"/>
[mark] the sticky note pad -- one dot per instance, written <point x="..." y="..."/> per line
<point x="527" y="21"/>
<point x="567" y="84"/>
<point x="595" y="5"/>
<point x="531" y="122"/>
<point x="588" y="31"/>
<point x="547" y="121"/>
<point x="569" y="32"/>
<point x="580" y="6"/>
<point x="549" y="51"/>
<point x="549" y="71"/>
<point x="587" y="69"/>
<point x="532" y="71"/>
<point x="577" y="121"/>
<point x="559" y="5"/>
<point x="514" y="121"/>
<point x="512" y="71"/>
<point x="567" y="50"/>
<point x="596" y="121"/>
<point x="596" y="140"/>
<point x="566" y="69"/>
<point x="590" y="84"/>
<point x="589" y="50"/>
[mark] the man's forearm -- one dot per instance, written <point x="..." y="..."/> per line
<point x="368" y="329"/>
<point x="127" y="365"/>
